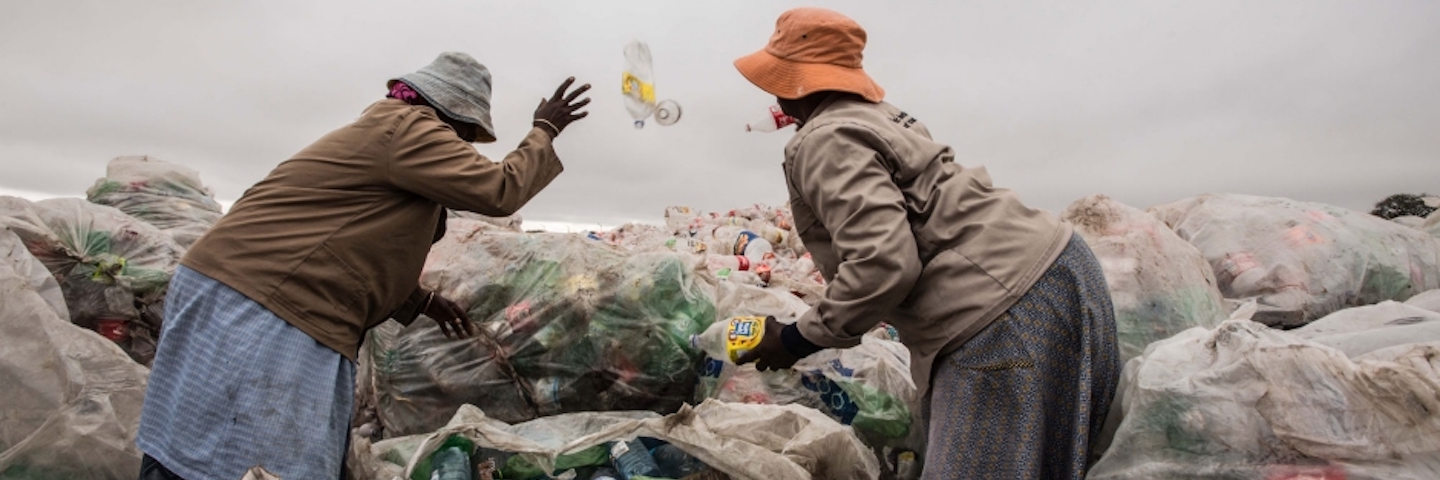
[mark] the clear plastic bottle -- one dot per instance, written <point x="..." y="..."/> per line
<point x="638" y="83"/>
<point x="742" y="241"/>
<point x="605" y="473"/>
<point x="632" y="459"/>
<point x="450" y="462"/>
<point x="774" y="120"/>
<point x="906" y="468"/>
<point x="730" y="339"/>
<point x="736" y="263"/>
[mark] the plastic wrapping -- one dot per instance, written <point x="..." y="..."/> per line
<point x="1246" y="401"/>
<point x="37" y="277"/>
<point x="114" y="270"/>
<point x="163" y="194"/>
<point x="1159" y="283"/>
<point x="1432" y="224"/>
<point x="1361" y="330"/>
<point x="746" y="442"/>
<point x="1304" y="260"/>
<point x="71" y="399"/>
<point x="572" y="324"/>
<point x="511" y="223"/>
<point x="1429" y="300"/>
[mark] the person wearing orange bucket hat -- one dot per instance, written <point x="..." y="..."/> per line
<point x="1005" y="312"/>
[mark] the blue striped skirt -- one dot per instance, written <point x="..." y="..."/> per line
<point x="1027" y="396"/>
<point x="234" y="386"/>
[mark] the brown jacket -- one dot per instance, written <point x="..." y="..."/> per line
<point x="905" y="235"/>
<point x="333" y="240"/>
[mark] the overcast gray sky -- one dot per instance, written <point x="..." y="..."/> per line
<point x="1146" y="101"/>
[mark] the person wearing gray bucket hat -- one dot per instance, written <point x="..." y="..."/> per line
<point x="265" y="315"/>
<point x="457" y="86"/>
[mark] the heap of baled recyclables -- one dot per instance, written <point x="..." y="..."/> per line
<point x="1264" y="338"/>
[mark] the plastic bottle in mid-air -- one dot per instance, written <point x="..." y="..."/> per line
<point x="638" y="83"/>
<point x="774" y="120"/>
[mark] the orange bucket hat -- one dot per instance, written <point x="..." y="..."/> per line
<point x="812" y="50"/>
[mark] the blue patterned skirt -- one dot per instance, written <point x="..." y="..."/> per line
<point x="234" y="386"/>
<point x="1026" y="397"/>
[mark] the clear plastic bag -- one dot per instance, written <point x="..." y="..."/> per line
<point x="1160" y="284"/>
<point x="573" y="325"/>
<point x="71" y="399"/>
<point x="1304" y="260"/>
<point x="163" y="194"/>
<point x="746" y="442"/>
<point x="1246" y="401"/>
<point x="114" y="270"/>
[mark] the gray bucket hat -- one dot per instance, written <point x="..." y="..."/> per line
<point x="459" y="87"/>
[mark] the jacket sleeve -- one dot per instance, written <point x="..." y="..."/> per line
<point x="839" y="171"/>
<point x="411" y="309"/>
<point x="429" y="160"/>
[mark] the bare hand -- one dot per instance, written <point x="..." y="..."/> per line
<point x="453" y="320"/>
<point x="558" y="112"/>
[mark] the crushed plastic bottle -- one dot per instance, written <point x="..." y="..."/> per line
<point x="638" y="82"/>
<point x="774" y="120"/>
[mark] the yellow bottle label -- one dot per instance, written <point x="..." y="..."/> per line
<point x="633" y="86"/>
<point x="743" y="335"/>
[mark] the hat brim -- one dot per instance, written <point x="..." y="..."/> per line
<point x="439" y="95"/>
<point x="794" y="80"/>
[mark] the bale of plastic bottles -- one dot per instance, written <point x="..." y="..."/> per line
<point x="1159" y="284"/>
<point x="70" y="400"/>
<point x="1302" y="261"/>
<point x="168" y="196"/>
<point x="1246" y="401"/>
<point x="113" y="269"/>
<point x="567" y="324"/>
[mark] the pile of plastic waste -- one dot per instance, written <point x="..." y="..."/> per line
<point x="1302" y="260"/>
<point x="163" y="194"/>
<point x="1160" y="284"/>
<point x="113" y="269"/>
<point x="71" y="399"/>
<point x="603" y="321"/>
<point x="567" y="324"/>
<point x="1353" y="398"/>
<point x="713" y="440"/>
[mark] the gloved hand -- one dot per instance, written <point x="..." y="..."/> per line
<point x="771" y="354"/>
<point x="558" y="112"/>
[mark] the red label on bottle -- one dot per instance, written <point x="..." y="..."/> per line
<point x="115" y="329"/>
<point x="781" y="119"/>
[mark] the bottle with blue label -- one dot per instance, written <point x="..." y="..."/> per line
<point x="633" y="460"/>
